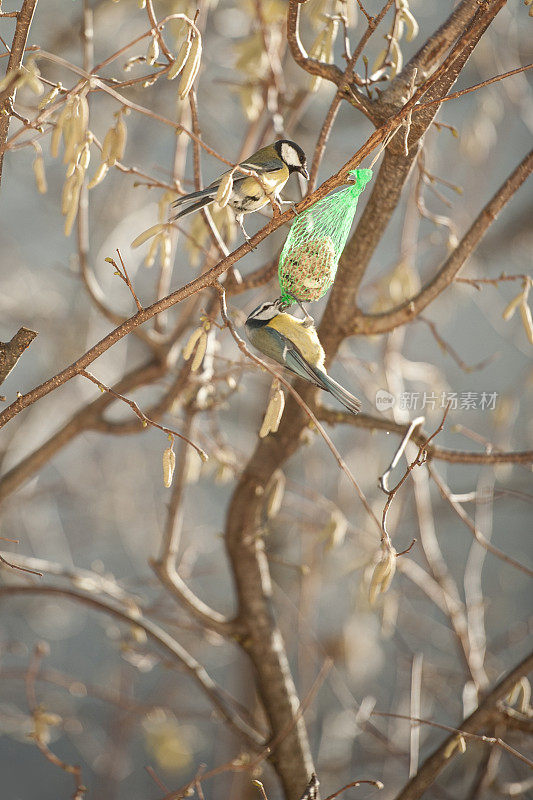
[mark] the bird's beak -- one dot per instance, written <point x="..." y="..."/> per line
<point x="304" y="172"/>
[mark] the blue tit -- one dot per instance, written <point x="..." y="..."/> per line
<point x="273" y="165"/>
<point x="294" y="344"/>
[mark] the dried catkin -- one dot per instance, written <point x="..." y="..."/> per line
<point x="224" y="190"/>
<point x="522" y="691"/>
<point x="71" y="195"/>
<point x="379" y="60"/>
<point x="169" y="465"/>
<point x="410" y="23"/>
<point x="117" y="152"/>
<point x="99" y="175"/>
<point x="190" y="70"/>
<point x="383" y="574"/>
<point x="335" y="530"/>
<point x="153" y="51"/>
<point x="275" y="493"/>
<point x="147" y="234"/>
<point x="75" y="126"/>
<point x="278" y="405"/>
<point x="273" y="413"/>
<point x="40" y="174"/>
<point x="527" y="320"/>
<point x="189" y="347"/>
<point x="511" y="307"/>
<point x="200" y="352"/>
<point x="322" y="50"/>
<point x="52" y="94"/>
<point x="108" y="144"/>
<point x="30" y="77"/>
<point x="457" y="743"/>
<point x="84" y="156"/>
<point x="181" y="59"/>
<point x="396" y="58"/>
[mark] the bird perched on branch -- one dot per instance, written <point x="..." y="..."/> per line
<point x="294" y="344"/>
<point x="245" y="193"/>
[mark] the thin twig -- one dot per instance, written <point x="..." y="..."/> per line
<point x="447" y="348"/>
<point x="455" y="95"/>
<point x="123" y="274"/>
<point x="420" y="459"/>
<point x="383" y="479"/>
<point x="18" y="567"/>
<point x="461" y="513"/>
<point x="144" y="419"/>
<point x="377" y="784"/>
<point x="213" y="692"/>
<point x="31" y="676"/>
<point x="460" y="731"/>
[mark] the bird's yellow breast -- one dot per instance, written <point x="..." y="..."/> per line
<point x="305" y="338"/>
<point x="269" y="183"/>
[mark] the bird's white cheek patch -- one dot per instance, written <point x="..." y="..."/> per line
<point x="289" y="155"/>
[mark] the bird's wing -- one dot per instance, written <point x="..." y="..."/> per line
<point x="210" y="191"/>
<point x="294" y="360"/>
<point x="272" y="165"/>
<point x="319" y="378"/>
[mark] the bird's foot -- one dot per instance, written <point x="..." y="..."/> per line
<point x="308" y="321"/>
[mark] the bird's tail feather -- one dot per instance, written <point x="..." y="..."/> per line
<point x="343" y="396"/>
<point x="210" y="191"/>
<point x="195" y="206"/>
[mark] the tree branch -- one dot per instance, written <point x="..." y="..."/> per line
<point x="329" y="72"/>
<point x="22" y="29"/>
<point x="11" y="351"/>
<point x="84" y="419"/>
<point x="409" y="309"/>
<point x="216" y="696"/>
<point x="245" y="548"/>
<point x="165" y="565"/>
<point x="433" y="49"/>
<point x="372" y="423"/>
<point x="433" y="766"/>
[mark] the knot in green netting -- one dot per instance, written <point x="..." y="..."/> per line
<point x="310" y="256"/>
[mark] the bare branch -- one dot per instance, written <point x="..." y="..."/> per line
<point x="370" y="422"/>
<point x="24" y="18"/>
<point x="165" y="565"/>
<point x="431" y="768"/>
<point x="478" y="536"/>
<point x="11" y="351"/>
<point x="213" y="692"/>
<point x="408" y="310"/>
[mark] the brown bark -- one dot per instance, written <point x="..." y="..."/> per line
<point x="7" y="98"/>
<point x="11" y="351"/>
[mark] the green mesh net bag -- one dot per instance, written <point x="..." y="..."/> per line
<point x="310" y="256"/>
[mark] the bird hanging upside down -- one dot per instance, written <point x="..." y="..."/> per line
<point x="294" y="344"/>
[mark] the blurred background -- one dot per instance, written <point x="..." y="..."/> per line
<point x="99" y="504"/>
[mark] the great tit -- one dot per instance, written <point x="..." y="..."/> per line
<point x="294" y="344"/>
<point x="273" y="165"/>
